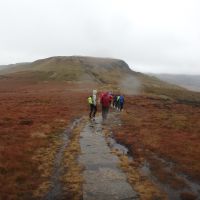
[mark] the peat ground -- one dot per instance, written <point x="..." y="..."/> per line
<point x="161" y="134"/>
<point x="163" y="137"/>
<point x="32" y="118"/>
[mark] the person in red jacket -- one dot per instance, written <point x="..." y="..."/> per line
<point x="105" y="101"/>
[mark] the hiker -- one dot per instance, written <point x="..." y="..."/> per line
<point x="110" y="97"/>
<point x="114" y="101"/>
<point x="105" y="101"/>
<point x="93" y="105"/>
<point x="121" y="102"/>
<point x="118" y="102"/>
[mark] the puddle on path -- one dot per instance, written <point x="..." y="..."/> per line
<point x="191" y="186"/>
<point x="145" y="169"/>
<point x="55" y="191"/>
<point x="118" y="147"/>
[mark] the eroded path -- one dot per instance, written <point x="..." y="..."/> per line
<point x="56" y="186"/>
<point x="102" y="175"/>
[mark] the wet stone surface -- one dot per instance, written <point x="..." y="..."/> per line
<point x="102" y="175"/>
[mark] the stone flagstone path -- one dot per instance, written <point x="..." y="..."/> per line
<point x="104" y="180"/>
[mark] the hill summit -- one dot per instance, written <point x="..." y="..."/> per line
<point x="72" y="68"/>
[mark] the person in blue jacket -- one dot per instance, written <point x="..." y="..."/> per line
<point x="121" y="102"/>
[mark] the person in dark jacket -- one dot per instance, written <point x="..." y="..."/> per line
<point x="118" y="102"/>
<point x="114" y="101"/>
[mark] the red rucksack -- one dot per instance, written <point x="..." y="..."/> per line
<point x="105" y="100"/>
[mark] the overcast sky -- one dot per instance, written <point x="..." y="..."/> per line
<point x="150" y="35"/>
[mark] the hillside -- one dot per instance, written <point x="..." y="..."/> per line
<point x="76" y="68"/>
<point x="71" y="69"/>
<point x="111" y="73"/>
<point x="191" y="82"/>
<point x="2" y="67"/>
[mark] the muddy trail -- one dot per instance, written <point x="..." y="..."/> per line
<point x="104" y="176"/>
<point x="56" y="189"/>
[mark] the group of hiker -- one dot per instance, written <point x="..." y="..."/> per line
<point x="106" y="99"/>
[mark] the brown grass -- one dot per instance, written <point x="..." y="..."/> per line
<point x="45" y="158"/>
<point x="27" y="149"/>
<point x="73" y="178"/>
<point x="167" y="128"/>
<point x="145" y="188"/>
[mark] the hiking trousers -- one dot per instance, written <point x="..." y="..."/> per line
<point x="121" y="106"/>
<point x="93" y="110"/>
<point x="105" y="112"/>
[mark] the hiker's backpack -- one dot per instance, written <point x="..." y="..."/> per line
<point x="121" y="99"/>
<point x="90" y="100"/>
<point x="106" y="100"/>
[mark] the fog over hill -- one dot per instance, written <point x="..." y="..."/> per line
<point x="2" y="66"/>
<point x="191" y="82"/>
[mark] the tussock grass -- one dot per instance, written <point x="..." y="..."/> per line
<point x="45" y="158"/>
<point x="27" y="151"/>
<point x="145" y="188"/>
<point x="164" y="127"/>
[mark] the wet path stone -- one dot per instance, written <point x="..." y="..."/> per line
<point x="103" y="177"/>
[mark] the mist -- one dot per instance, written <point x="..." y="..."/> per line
<point x="130" y="85"/>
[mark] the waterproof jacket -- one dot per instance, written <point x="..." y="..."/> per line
<point x="94" y="97"/>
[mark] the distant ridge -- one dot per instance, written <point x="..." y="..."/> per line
<point x="191" y="82"/>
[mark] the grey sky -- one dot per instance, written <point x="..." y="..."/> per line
<point x="150" y="35"/>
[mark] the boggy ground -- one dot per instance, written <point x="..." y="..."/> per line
<point x="161" y="132"/>
<point x="163" y="136"/>
<point x="32" y="117"/>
